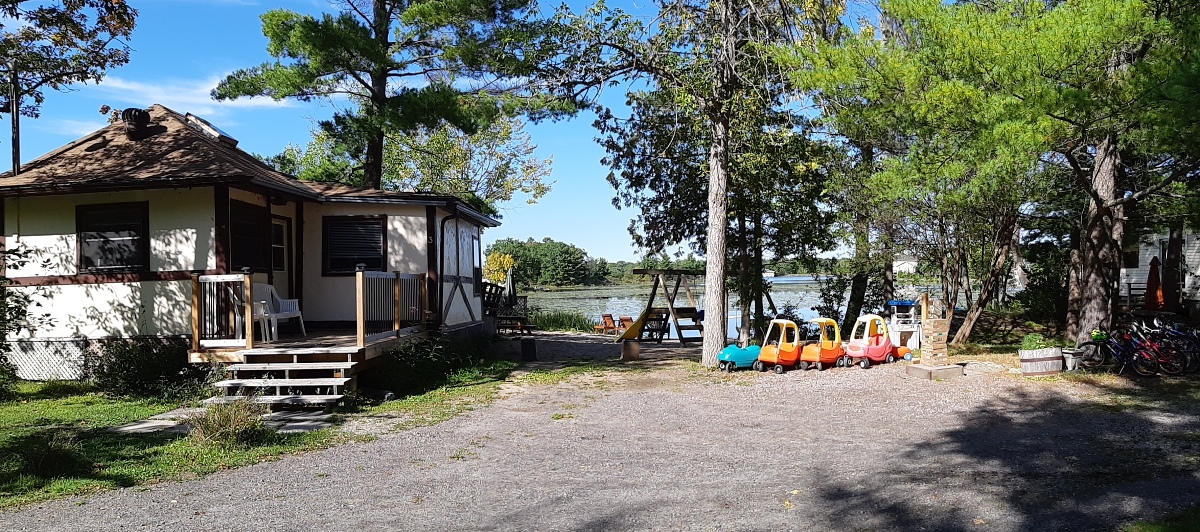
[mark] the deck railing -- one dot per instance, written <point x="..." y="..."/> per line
<point x="389" y="304"/>
<point x="222" y="312"/>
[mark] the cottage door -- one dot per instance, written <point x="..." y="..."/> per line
<point x="281" y="255"/>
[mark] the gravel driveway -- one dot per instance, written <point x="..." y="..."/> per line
<point x="674" y="447"/>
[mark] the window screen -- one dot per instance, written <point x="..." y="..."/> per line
<point x="349" y="241"/>
<point x="113" y="237"/>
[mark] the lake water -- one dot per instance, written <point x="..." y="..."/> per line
<point x="630" y="300"/>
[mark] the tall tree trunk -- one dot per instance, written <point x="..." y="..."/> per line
<point x="1100" y="248"/>
<point x="1074" y="290"/>
<point x="889" y="277"/>
<point x="858" y="283"/>
<point x="1172" y="266"/>
<point x="756" y="253"/>
<point x="718" y="183"/>
<point x="991" y="281"/>
<point x="745" y="280"/>
<point x="373" y="164"/>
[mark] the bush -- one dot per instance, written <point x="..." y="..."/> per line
<point x="53" y="453"/>
<point x="8" y="378"/>
<point x="1033" y="341"/>
<point x="423" y="366"/>
<point x="147" y="367"/>
<point x="235" y="424"/>
<point x="562" y="320"/>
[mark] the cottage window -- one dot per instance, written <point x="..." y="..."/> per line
<point x="477" y="256"/>
<point x="249" y="236"/>
<point x="1130" y="258"/>
<point x="114" y="237"/>
<point x="351" y="240"/>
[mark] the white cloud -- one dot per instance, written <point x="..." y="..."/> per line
<point x="184" y="96"/>
<point x="71" y="128"/>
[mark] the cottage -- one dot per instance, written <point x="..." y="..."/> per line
<point x="161" y="226"/>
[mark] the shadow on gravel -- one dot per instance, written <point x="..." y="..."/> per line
<point x="1058" y="463"/>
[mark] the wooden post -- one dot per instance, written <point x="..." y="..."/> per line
<point x="247" y="296"/>
<point x="360" y="282"/>
<point x="423" y="302"/>
<point x="195" y="312"/>
<point x="396" y="306"/>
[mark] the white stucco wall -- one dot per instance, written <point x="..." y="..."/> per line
<point x="332" y="298"/>
<point x="46" y="225"/>
<point x="181" y="239"/>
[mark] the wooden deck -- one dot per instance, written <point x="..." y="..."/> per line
<point x="328" y="346"/>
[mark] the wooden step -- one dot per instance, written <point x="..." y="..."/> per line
<point x="282" y="366"/>
<point x="266" y="351"/>
<point x="278" y="399"/>
<point x="686" y="339"/>
<point x="271" y="383"/>
<point x="694" y="327"/>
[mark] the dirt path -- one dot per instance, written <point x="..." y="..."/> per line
<point x="675" y="447"/>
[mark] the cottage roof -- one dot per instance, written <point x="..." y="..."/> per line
<point x="173" y="153"/>
<point x="179" y="150"/>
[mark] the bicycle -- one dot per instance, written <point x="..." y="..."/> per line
<point x="1118" y="347"/>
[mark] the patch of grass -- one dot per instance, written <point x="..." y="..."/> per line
<point x="1185" y="521"/>
<point x="436" y="406"/>
<point x="54" y="442"/>
<point x="556" y="376"/>
<point x="558" y="415"/>
<point x="563" y="320"/>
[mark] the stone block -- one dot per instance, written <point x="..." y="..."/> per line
<point x="931" y="372"/>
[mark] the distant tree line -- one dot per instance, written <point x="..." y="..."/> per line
<point x="552" y="263"/>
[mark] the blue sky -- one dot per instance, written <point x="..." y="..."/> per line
<point x="182" y="48"/>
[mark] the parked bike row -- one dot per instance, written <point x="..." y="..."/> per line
<point x="1145" y="345"/>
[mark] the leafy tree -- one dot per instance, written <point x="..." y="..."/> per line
<point x="57" y="44"/>
<point x="696" y="53"/>
<point x="495" y="267"/>
<point x="487" y="168"/>
<point x="404" y="65"/>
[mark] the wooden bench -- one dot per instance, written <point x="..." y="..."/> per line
<point x="517" y="324"/>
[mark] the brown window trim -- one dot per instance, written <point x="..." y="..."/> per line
<point x="143" y="243"/>
<point x="325" y="271"/>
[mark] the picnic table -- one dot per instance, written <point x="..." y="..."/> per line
<point x="517" y="324"/>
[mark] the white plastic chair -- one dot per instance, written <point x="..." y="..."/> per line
<point x="276" y="308"/>
<point x="258" y="309"/>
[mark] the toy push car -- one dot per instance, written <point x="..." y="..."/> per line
<point x="827" y="350"/>
<point x="781" y="347"/>
<point x="734" y="357"/>
<point x="870" y="342"/>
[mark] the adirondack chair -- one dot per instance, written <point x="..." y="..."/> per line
<point x="607" y="325"/>
<point x="276" y="308"/>
<point x="624" y="323"/>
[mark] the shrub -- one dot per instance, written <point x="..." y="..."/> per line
<point x="147" y="367"/>
<point x="50" y="454"/>
<point x="1033" y="341"/>
<point x="562" y="320"/>
<point x="419" y="367"/>
<point x="235" y="424"/>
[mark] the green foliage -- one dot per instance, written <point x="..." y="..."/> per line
<point x="562" y="320"/>
<point x="55" y="442"/>
<point x="474" y="59"/>
<point x="235" y="424"/>
<point x="59" y="43"/>
<point x="548" y="262"/>
<point x="149" y="367"/>
<point x="16" y="315"/>
<point x="1033" y="341"/>
<point x="419" y="367"/>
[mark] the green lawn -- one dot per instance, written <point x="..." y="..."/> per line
<point x="53" y="443"/>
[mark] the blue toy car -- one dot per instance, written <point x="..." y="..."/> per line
<point x="734" y="357"/>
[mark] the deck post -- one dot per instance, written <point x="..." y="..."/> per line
<point x="360" y="281"/>
<point x="396" y="306"/>
<point x="248" y="312"/>
<point x="421" y="312"/>
<point x="195" y="312"/>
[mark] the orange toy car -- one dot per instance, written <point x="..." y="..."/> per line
<point x="827" y="351"/>
<point x="781" y="347"/>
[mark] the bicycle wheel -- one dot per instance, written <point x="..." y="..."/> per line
<point x="1094" y="354"/>
<point x="1144" y="363"/>
<point x="1173" y="359"/>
